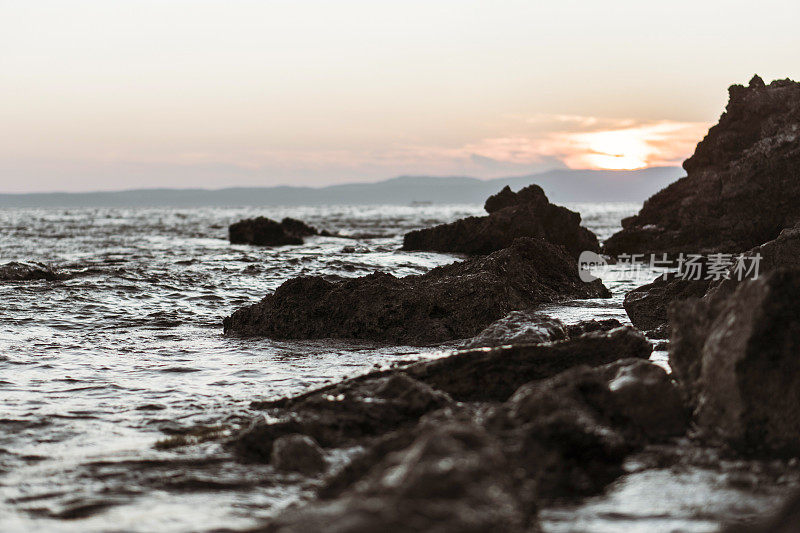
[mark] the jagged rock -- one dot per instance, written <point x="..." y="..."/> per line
<point x="527" y="213"/>
<point x="742" y="185"/>
<point x="588" y="326"/>
<point x="15" y="271"/>
<point x="453" y="478"/>
<point x="341" y="413"/>
<point x="450" y="302"/>
<point x="382" y="401"/>
<point x="297" y="453"/>
<point x="520" y="327"/>
<point x="267" y="232"/>
<point x="737" y="358"/>
<point x="493" y="375"/>
<point x="647" y="305"/>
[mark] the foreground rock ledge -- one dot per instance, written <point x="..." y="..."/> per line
<point x="526" y="213"/>
<point x="742" y="186"/>
<point x="450" y="302"/>
<point x="736" y="356"/>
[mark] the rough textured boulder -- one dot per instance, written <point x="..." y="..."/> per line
<point x="450" y="302"/>
<point x="15" y="271"/>
<point x="520" y="327"/>
<point x="742" y="185"/>
<point x="267" y="232"/>
<point x="453" y="478"/>
<point x="526" y="213"/>
<point x="737" y="358"/>
<point x="647" y="305"/>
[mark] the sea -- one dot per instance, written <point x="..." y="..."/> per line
<point x="98" y="369"/>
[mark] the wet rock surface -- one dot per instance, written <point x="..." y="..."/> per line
<point x="736" y="357"/>
<point x="512" y="215"/>
<point x="450" y="302"/>
<point x="520" y="327"/>
<point x="469" y="467"/>
<point x="741" y="187"/>
<point x="267" y="232"/>
<point x="16" y="271"/>
<point x="647" y="305"/>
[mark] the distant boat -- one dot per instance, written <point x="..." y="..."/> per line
<point x="418" y="203"/>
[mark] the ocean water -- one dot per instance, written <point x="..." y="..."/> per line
<point x="97" y="369"/>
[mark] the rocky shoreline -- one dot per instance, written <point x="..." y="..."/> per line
<point x="535" y="413"/>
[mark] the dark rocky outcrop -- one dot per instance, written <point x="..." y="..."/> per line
<point x="450" y="302"/>
<point x="267" y="232"/>
<point x="493" y="375"/>
<point x="452" y="478"/>
<point x="647" y="305"/>
<point x="526" y="213"/>
<point x="383" y="401"/>
<point x="15" y="271"/>
<point x="736" y="356"/>
<point x="520" y="327"/>
<point x="470" y="468"/>
<point x="742" y="185"/>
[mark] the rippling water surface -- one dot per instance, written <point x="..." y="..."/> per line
<point x="129" y="351"/>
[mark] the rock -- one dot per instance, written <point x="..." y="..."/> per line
<point x="15" y="271"/>
<point x="737" y="358"/>
<point x="450" y="302"/>
<point x="571" y="432"/>
<point x="527" y="213"/>
<point x="297" y="453"/>
<point x="267" y="232"/>
<point x="341" y="413"/>
<point x="494" y="374"/>
<point x="453" y="478"/>
<point x="741" y="187"/>
<point x="646" y="398"/>
<point x="520" y="327"/>
<point x="647" y="305"/>
<point x="382" y="401"/>
<point x="588" y="326"/>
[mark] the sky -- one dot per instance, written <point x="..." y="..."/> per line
<point x="106" y="95"/>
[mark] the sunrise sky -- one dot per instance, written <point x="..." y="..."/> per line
<point x="176" y="93"/>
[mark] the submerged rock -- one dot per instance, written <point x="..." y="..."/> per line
<point x="520" y="327"/>
<point x="15" y="271"/>
<point x="450" y="302"/>
<point x="526" y="213"/>
<point x="647" y="305"/>
<point x="267" y="232"/>
<point x="741" y="187"/>
<point x="737" y="357"/>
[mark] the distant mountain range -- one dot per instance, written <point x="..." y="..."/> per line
<point x="560" y="185"/>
